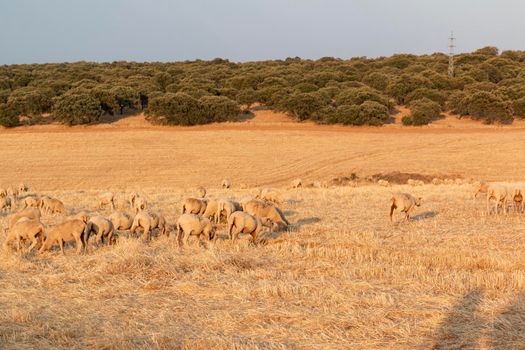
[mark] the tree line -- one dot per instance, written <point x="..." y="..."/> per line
<point x="487" y="85"/>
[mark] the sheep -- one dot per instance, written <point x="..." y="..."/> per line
<point x="13" y="192"/>
<point x="22" y="188"/>
<point x="31" y="201"/>
<point x="268" y="194"/>
<point x="436" y="181"/>
<point x="148" y="221"/>
<point x="121" y="221"/>
<point x="405" y="203"/>
<point x="498" y="193"/>
<point x="448" y="181"/>
<point x="480" y="187"/>
<point x="320" y="184"/>
<point x="226" y="183"/>
<point x="70" y="230"/>
<point x="263" y="209"/>
<point x="6" y="203"/>
<point x="30" y="213"/>
<point x="102" y="228"/>
<point x="139" y="204"/>
<point x="194" y="206"/>
<point x="384" y="183"/>
<point x="201" y="192"/>
<point x="517" y="195"/>
<point x="296" y="183"/>
<point x="211" y="209"/>
<point x="227" y="207"/>
<point x="241" y="222"/>
<point x="3" y="192"/>
<point x="26" y="228"/>
<point x="191" y="224"/>
<point x="106" y="198"/>
<point x="55" y="206"/>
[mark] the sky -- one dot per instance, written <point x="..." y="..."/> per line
<point x="39" y="31"/>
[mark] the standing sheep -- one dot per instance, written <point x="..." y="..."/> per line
<point x="3" y="192"/>
<point x="499" y="194"/>
<point x="22" y="188"/>
<point x="55" y="206"/>
<point x="26" y="229"/>
<point x="405" y="203"/>
<point x="226" y="183"/>
<point x="266" y="210"/>
<point x="102" y="228"/>
<point x="6" y="203"/>
<point x="211" y="209"/>
<point x="241" y="222"/>
<point x="268" y="194"/>
<point x="191" y="224"/>
<point x="194" y="206"/>
<point x="384" y="183"/>
<point x="68" y="231"/>
<point x="139" y="204"/>
<point x="106" y="198"/>
<point x="148" y="221"/>
<point x="296" y="183"/>
<point x="30" y="213"/>
<point x="121" y="221"/>
<point x="201" y="192"/>
<point x="227" y="207"/>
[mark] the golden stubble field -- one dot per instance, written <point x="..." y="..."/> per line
<point x="341" y="277"/>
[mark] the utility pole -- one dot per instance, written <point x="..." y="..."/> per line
<point x="451" y="47"/>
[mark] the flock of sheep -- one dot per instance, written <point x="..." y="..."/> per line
<point x="199" y="217"/>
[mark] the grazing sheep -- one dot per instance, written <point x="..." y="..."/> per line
<point x="121" y="221"/>
<point x="297" y="183"/>
<point x="22" y="188"/>
<point x="194" y="206"/>
<point x="26" y="229"/>
<point x="241" y="222"/>
<point x="13" y="192"/>
<point x="102" y="228"/>
<point x="436" y="181"/>
<point x="499" y="194"/>
<point x="459" y="181"/>
<point x="480" y="187"/>
<point x="211" y="209"/>
<point x="383" y="183"/>
<point x="139" y="204"/>
<point x="71" y="230"/>
<point x="268" y="194"/>
<point x="517" y="195"/>
<point x="55" y="206"/>
<point x="227" y="207"/>
<point x="3" y="192"/>
<point x="448" y="181"/>
<point x="320" y="184"/>
<point x="191" y="224"/>
<point x="30" y="213"/>
<point x="201" y="192"/>
<point x="226" y="183"/>
<point x="148" y="221"/>
<point x="31" y="201"/>
<point x="106" y="198"/>
<point x="6" y="203"/>
<point x="405" y="203"/>
<point x="267" y="210"/>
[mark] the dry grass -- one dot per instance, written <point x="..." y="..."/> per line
<point x="342" y="277"/>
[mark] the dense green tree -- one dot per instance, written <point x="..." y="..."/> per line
<point x="219" y="108"/>
<point x="423" y="111"/>
<point x="175" y="109"/>
<point x="75" y="109"/>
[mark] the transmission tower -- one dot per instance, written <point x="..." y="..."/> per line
<point x="451" y="47"/>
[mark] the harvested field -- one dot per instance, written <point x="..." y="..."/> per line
<point x="341" y="277"/>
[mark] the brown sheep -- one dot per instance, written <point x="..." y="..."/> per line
<point x="26" y="229"/>
<point x="499" y="194"/>
<point x="3" y="192"/>
<point x="68" y="231"/>
<point x="194" y="206"/>
<point x="517" y="195"/>
<point x="211" y="209"/>
<point x="148" y="221"/>
<point x="241" y="222"/>
<point x="227" y="207"/>
<point x="263" y="209"/>
<point x="30" y="213"/>
<point x="106" y="198"/>
<point x="121" y="221"/>
<point x="102" y="228"/>
<point x="480" y="187"/>
<point x="55" y="206"/>
<point x="22" y="188"/>
<point x="226" y="183"/>
<point x="268" y="194"/>
<point x="405" y="203"/>
<point x="191" y="224"/>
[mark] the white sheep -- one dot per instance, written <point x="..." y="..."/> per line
<point x="383" y="183"/>
<point x="405" y="203"/>
<point x="194" y="225"/>
<point x="499" y="194"/>
<point x="106" y="198"/>
<point x="241" y="222"/>
<point x="226" y="183"/>
<point x="26" y="229"/>
<point x="194" y="206"/>
<point x="121" y="221"/>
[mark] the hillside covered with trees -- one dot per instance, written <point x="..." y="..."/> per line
<point x="487" y="86"/>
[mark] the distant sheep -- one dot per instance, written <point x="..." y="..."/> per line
<point x="480" y="187"/>
<point x="106" y="198"/>
<point x="26" y="229"/>
<point x="517" y="196"/>
<point x="226" y="183"/>
<point x="22" y="188"/>
<point x="6" y="203"/>
<point x="405" y="203"/>
<point x="268" y="194"/>
<point x="296" y="183"/>
<point x="383" y="183"/>
<point x="194" y="225"/>
<point x="3" y="192"/>
<point x="263" y="209"/>
<point x="436" y="181"/>
<point x="13" y="192"/>
<point x="241" y="222"/>
<point x="194" y="206"/>
<point x="499" y="194"/>
<point x="320" y="184"/>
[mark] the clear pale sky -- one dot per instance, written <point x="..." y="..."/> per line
<point x="243" y="30"/>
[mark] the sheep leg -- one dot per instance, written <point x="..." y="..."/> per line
<point x="187" y="237"/>
<point x="80" y="246"/>
<point x="35" y="242"/>
<point x="61" y="243"/>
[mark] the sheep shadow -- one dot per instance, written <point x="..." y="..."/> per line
<point x="462" y="328"/>
<point x="289" y="212"/>
<point x="424" y="215"/>
<point x="306" y="221"/>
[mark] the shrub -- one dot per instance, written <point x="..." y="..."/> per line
<point x="348" y="115"/>
<point x="8" y="116"/>
<point x="31" y="101"/>
<point x="423" y="111"/>
<point x="72" y="109"/>
<point x="373" y="113"/>
<point x="219" y="108"/>
<point x="356" y="96"/>
<point x="407" y="120"/>
<point x="303" y="105"/>
<point x="175" y="109"/>
<point x="518" y="106"/>
<point x="488" y="107"/>
<point x="431" y="94"/>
